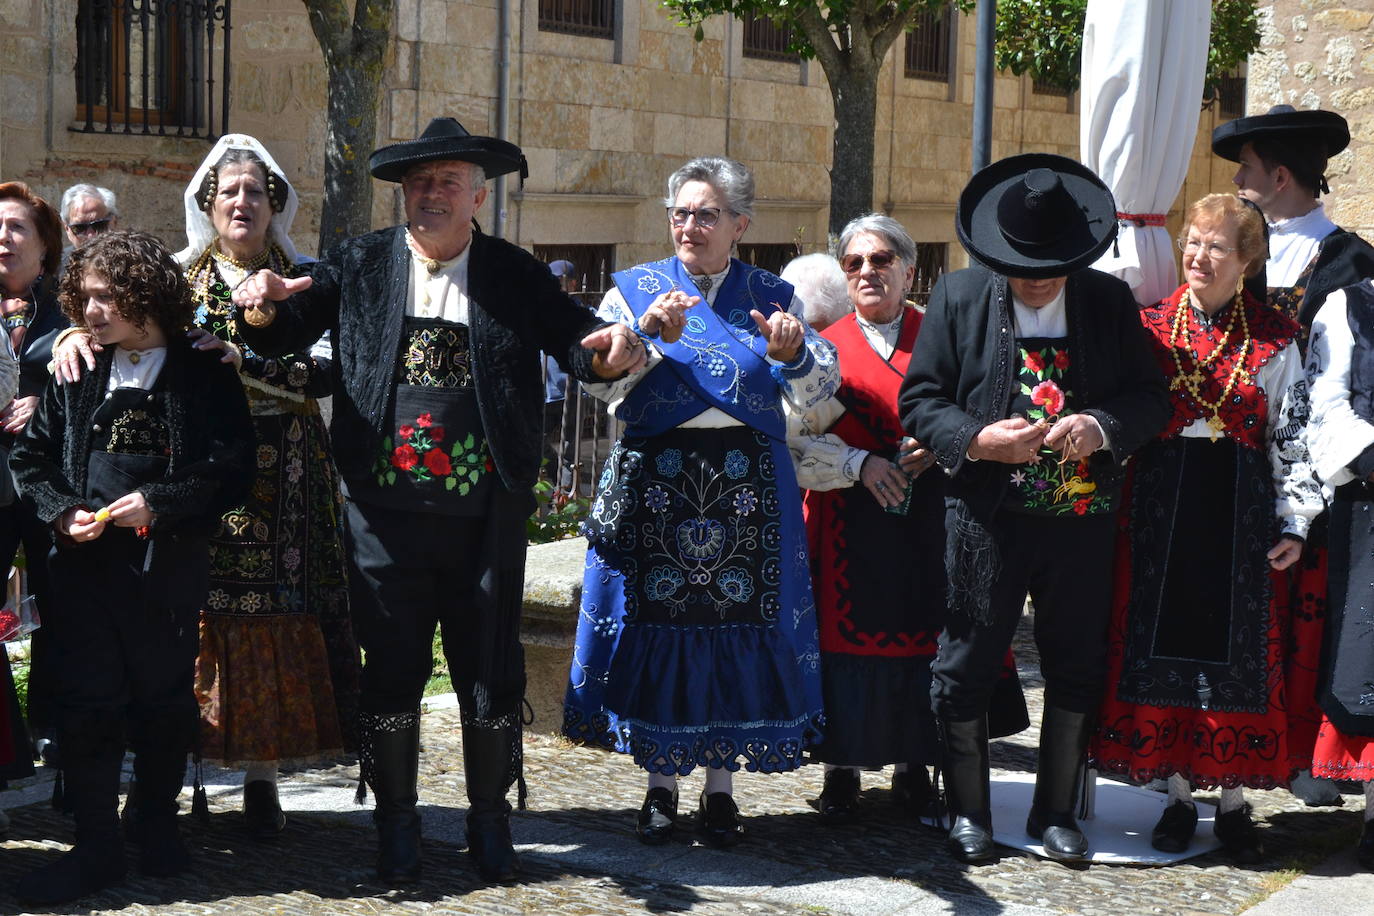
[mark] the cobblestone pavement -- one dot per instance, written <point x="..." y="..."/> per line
<point x="581" y="856"/>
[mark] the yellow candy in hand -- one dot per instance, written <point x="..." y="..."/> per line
<point x="102" y="514"/>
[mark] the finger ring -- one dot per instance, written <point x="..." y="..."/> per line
<point x="881" y="485"/>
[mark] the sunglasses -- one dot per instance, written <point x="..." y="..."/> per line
<point x="706" y="217"/>
<point x="853" y="263"/>
<point x="95" y="225"/>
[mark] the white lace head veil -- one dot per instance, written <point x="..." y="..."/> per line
<point x="200" y="232"/>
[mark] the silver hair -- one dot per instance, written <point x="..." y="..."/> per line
<point x="886" y="227"/>
<point x="78" y="191"/>
<point x="821" y="287"/>
<point x="731" y="178"/>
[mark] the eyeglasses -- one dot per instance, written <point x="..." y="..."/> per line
<point x="94" y="226"/>
<point x="1214" y="251"/>
<point x="853" y="263"/>
<point x="706" y="217"/>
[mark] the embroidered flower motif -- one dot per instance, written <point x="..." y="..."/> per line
<point x="1080" y="506"/>
<point x="1061" y="359"/>
<point x="669" y="462"/>
<point x="297" y="374"/>
<point x="1049" y="396"/>
<point x="649" y="284"/>
<point x="736" y="465"/>
<point x="294" y="470"/>
<point x="1033" y="361"/>
<point x="738" y="317"/>
<point x="404" y="457"/>
<point x="217" y="600"/>
<point x="424" y="420"/>
<point x="663" y="582"/>
<point x="746" y="501"/>
<point x="1018" y="478"/>
<point x="405" y="431"/>
<point x="700" y="538"/>
<point x="251" y="602"/>
<point x="267" y="456"/>
<point x="438" y="463"/>
<point x="1042" y="484"/>
<point x="768" y="279"/>
<point x="656" y="498"/>
<point x="737" y="584"/>
<point x="605" y="626"/>
<point x="291" y="558"/>
<point x="716" y="367"/>
<point x="436" y="433"/>
<point x="696" y="324"/>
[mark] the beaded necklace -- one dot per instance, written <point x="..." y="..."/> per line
<point x="1180" y="341"/>
<point x="203" y="272"/>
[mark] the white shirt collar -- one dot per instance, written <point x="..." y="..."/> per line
<point x="1313" y="224"/>
<point x="1050" y="320"/>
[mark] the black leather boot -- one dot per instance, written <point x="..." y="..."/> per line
<point x="390" y="762"/>
<point x="491" y="757"/>
<point x="1063" y="739"/>
<point x="968" y="790"/>
<point x="93" y="748"/>
<point x="160" y="743"/>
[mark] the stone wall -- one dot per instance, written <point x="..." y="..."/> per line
<point x="1320" y="54"/>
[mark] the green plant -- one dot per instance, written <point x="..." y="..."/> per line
<point x="559" y="514"/>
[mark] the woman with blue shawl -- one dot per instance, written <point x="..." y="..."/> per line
<point x="696" y="644"/>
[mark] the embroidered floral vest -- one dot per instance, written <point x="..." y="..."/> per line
<point x="1244" y="413"/>
<point x="1287" y="301"/>
<point x="437" y="459"/>
<point x="1044" y="385"/>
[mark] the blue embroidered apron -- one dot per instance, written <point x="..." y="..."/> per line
<point x="696" y="642"/>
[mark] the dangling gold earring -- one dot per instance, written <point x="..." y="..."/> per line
<point x="1240" y="285"/>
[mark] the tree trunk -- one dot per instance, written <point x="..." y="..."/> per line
<point x="350" y="139"/>
<point x="855" y="95"/>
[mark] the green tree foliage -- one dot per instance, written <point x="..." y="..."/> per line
<point x="1045" y="39"/>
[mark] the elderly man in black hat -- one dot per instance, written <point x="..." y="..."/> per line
<point x="1283" y="157"/>
<point x="1032" y="382"/>
<point x="437" y="332"/>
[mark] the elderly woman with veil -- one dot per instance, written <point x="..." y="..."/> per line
<point x="277" y="676"/>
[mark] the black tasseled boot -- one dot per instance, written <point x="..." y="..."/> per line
<point x="491" y="756"/>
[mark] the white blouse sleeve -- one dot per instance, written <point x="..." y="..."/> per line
<point x="814" y="376"/>
<point x="1336" y="436"/>
<point x="823" y="460"/>
<point x="1298" y="497"/>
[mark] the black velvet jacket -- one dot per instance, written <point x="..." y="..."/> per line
<point x="1344" y="259"/>
<point x="960" y="376"/>
<point x="516" y="310"/>
<point x="212" y="441"/>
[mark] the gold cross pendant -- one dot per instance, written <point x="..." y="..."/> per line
<point x="1217" y="425"/>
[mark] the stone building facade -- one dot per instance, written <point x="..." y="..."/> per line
<point x="603" y="121"/>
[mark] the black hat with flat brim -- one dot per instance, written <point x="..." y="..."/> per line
<point x="1035" y="216"/>
<point x="1325" y="130"/>
<point x="447" y="140"/>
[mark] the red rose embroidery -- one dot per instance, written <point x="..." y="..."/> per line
<point x="406" y="431"/>
<point x="1081" y="469"/>
<point x="404" y="457"/>
<point x="1061" y="359"/>
<point x="1049" y="396"/>
<point x="438" y="463"/>
<point x="424" y="421"/>
<point x="436" y="433"/>
<point x="1033" y="362"/>
<point x="487" y="465"/>
<point x="1080" y="506"/>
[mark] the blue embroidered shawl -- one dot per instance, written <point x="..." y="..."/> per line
<point x="720" y="359"/>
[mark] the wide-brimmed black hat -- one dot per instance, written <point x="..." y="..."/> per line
<point x="443" y="139"/>
<point x="1324" y="129"/>
<point x="1036" y="215"/>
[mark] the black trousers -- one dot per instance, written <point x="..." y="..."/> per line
<point x="119" y="658"/>
<point x="408" y="573"/>
<point x="1065" y="564"/>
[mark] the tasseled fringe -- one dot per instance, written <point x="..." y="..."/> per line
<point x="360" y="796"/>
<point x="200" y="803"/>
<point x="523" y="792"/>
<point x="973" y="565"/>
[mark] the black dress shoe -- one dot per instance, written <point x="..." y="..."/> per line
<point x="839" y="801"/>
<point x="912" y="792"/>
<point x="1239" y="836"/>
<point x="262" y="813"/>
<point x="1364" y="850"/>
<point x="1059" y="834"/>
<point x="654" y="825"/>
<point x="718" y="819"/>
<point x="970" y="838"/>
<point x="1175" y="828"/>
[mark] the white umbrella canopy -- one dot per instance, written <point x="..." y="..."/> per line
<point x="1143" y="69"/>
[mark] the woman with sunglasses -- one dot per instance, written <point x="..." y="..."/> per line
<point x="875" y="527"/>
<point x="696" y="644"/>
<point x="1219" y="506"/>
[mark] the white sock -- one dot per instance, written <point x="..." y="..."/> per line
<point x="1369" y="801"/>
<point x="260" y="770"/>
<point x="1180" y="790"/>
<point x="660" y="781"/>
<point x="719" y="779"/>
<point x="1231" y="799"/>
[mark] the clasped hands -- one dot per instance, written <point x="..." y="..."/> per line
<point x="666" y="317"/>
<point x="887" y="480"/>
<point x="129" y="511"/>
<point x="1018" y="441"/>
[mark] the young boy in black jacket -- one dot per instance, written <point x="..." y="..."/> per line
<point x="132" y="466"/>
